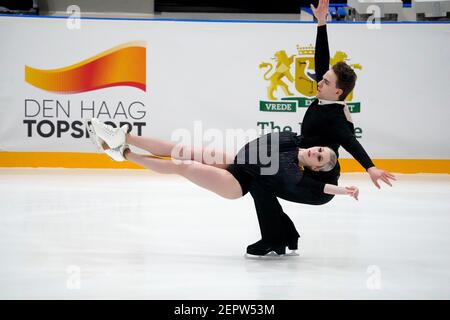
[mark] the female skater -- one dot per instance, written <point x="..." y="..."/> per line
<point x="230" y="177"/>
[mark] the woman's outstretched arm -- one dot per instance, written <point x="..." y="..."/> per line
<point x="352" y="191"/>
<point x="319" y="186"/>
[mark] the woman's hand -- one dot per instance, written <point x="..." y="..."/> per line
<point x="352" y="192"/>
<point x="321" y="11"/>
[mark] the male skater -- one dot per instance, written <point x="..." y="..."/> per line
<point x="327" y="122"/>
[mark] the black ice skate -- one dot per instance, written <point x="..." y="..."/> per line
<point x="266" y="249"/>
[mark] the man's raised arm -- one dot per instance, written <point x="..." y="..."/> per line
<point x="322" y="53"/>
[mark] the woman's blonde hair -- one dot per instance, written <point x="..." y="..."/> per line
<point x="330" y="164"/>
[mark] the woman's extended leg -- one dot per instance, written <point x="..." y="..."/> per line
<point x="166" y="149"/>
<point x="214" y="179"/>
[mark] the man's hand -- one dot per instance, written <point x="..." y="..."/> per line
<point x="376" y="174"/>
<point x="321" y="12"/>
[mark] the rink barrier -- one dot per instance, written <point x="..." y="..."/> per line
<point x="98" y="161"/>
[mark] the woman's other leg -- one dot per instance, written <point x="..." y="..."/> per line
<point x="214" y="179"/>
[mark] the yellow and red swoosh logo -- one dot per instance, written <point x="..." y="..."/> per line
<point x="124" y="65"/>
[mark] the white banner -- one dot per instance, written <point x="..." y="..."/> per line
<point x="213" y="72"/>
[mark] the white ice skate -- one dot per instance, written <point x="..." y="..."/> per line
<point x="113" y="137"/>
<point x="115" y="154"/>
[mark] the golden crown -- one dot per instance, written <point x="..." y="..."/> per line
<point x="306" y="50"/>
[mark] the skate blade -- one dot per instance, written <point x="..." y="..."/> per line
<point x="272" y="255"/>
<point x="92" y="135"/>
<point x="293" y="253"/>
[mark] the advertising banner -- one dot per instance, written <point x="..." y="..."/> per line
<point x="213" y="79"/>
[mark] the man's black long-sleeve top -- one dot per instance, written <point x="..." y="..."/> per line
<point x="326" y="125"/>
